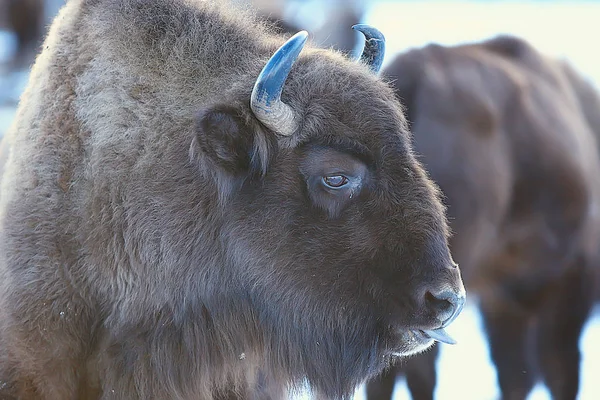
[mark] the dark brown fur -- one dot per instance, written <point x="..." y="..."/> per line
<point x="508" y="134"/>
<point x="26" y="19"/>
<point x="157" y="241"/>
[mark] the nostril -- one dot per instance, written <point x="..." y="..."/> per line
<point x="446" y="304"/>
<point x="439" y="305"/>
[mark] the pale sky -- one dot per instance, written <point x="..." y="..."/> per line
<point x="569" y="29"/>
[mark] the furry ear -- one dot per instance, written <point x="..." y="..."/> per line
<point x="231" y="146"/>
<point x="224" y="139"/>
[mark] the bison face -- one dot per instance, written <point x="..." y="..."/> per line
<point x="335" y="238"/>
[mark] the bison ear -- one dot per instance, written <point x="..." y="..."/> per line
<point x="224" y="139"/>
<point x="231" y="144"/>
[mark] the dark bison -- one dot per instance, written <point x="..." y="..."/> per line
<point x="177" y="222"/>
<point x="508" y="135"/>
<point x="25" y="18"/>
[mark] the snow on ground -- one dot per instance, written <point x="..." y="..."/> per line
<point x="566" y="29"/>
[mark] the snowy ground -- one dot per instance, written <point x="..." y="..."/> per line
<point x="566" y="29"/>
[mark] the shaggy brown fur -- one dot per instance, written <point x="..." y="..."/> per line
<point x="508" y="134"/>
<point x="157" y="241"/>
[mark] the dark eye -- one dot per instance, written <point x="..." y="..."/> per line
<point x="335" y="181"/>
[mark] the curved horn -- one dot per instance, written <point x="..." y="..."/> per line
<point x="266" y="101"/>
<point x="374" y="49"/>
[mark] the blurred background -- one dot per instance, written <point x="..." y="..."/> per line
<point x="566" y="29"/>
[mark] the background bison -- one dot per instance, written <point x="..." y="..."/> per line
<point x="176" y="220"/>
<point x="510" y="136"/>
<point x="25" y="19"/>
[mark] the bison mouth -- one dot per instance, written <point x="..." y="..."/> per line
<point x="439" y="335"/>
<point x="417" y="340"/>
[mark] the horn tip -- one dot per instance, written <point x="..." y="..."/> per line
<point x="369" y="30"/>
<point x="301" y="36"/>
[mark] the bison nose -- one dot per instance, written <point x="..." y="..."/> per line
<point x="446" y="304"/>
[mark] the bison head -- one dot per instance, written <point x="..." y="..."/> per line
<point x="333" y="237"/>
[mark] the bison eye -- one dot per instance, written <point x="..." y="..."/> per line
<point x="335" y="181"/>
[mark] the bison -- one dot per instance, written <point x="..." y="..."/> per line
<point x="508" y="135"/>
<point x="25" y="18"/>
<point x="192" y="205"/>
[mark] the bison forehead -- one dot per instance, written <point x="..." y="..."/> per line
<point x="336" y="96"/>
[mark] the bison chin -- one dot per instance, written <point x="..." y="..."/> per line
<point x="335" y="368"/>
<point x="412" y="342"/>
<point x="333" y="362"/>
<point x="332" y="336"/>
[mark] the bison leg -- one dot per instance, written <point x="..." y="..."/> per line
<point x="507" y="327"/>
<point x="421" y="375"/>
<point x="26" y="19"/>
<point x="381" y="387"/>
<point x="561" y="322"/>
